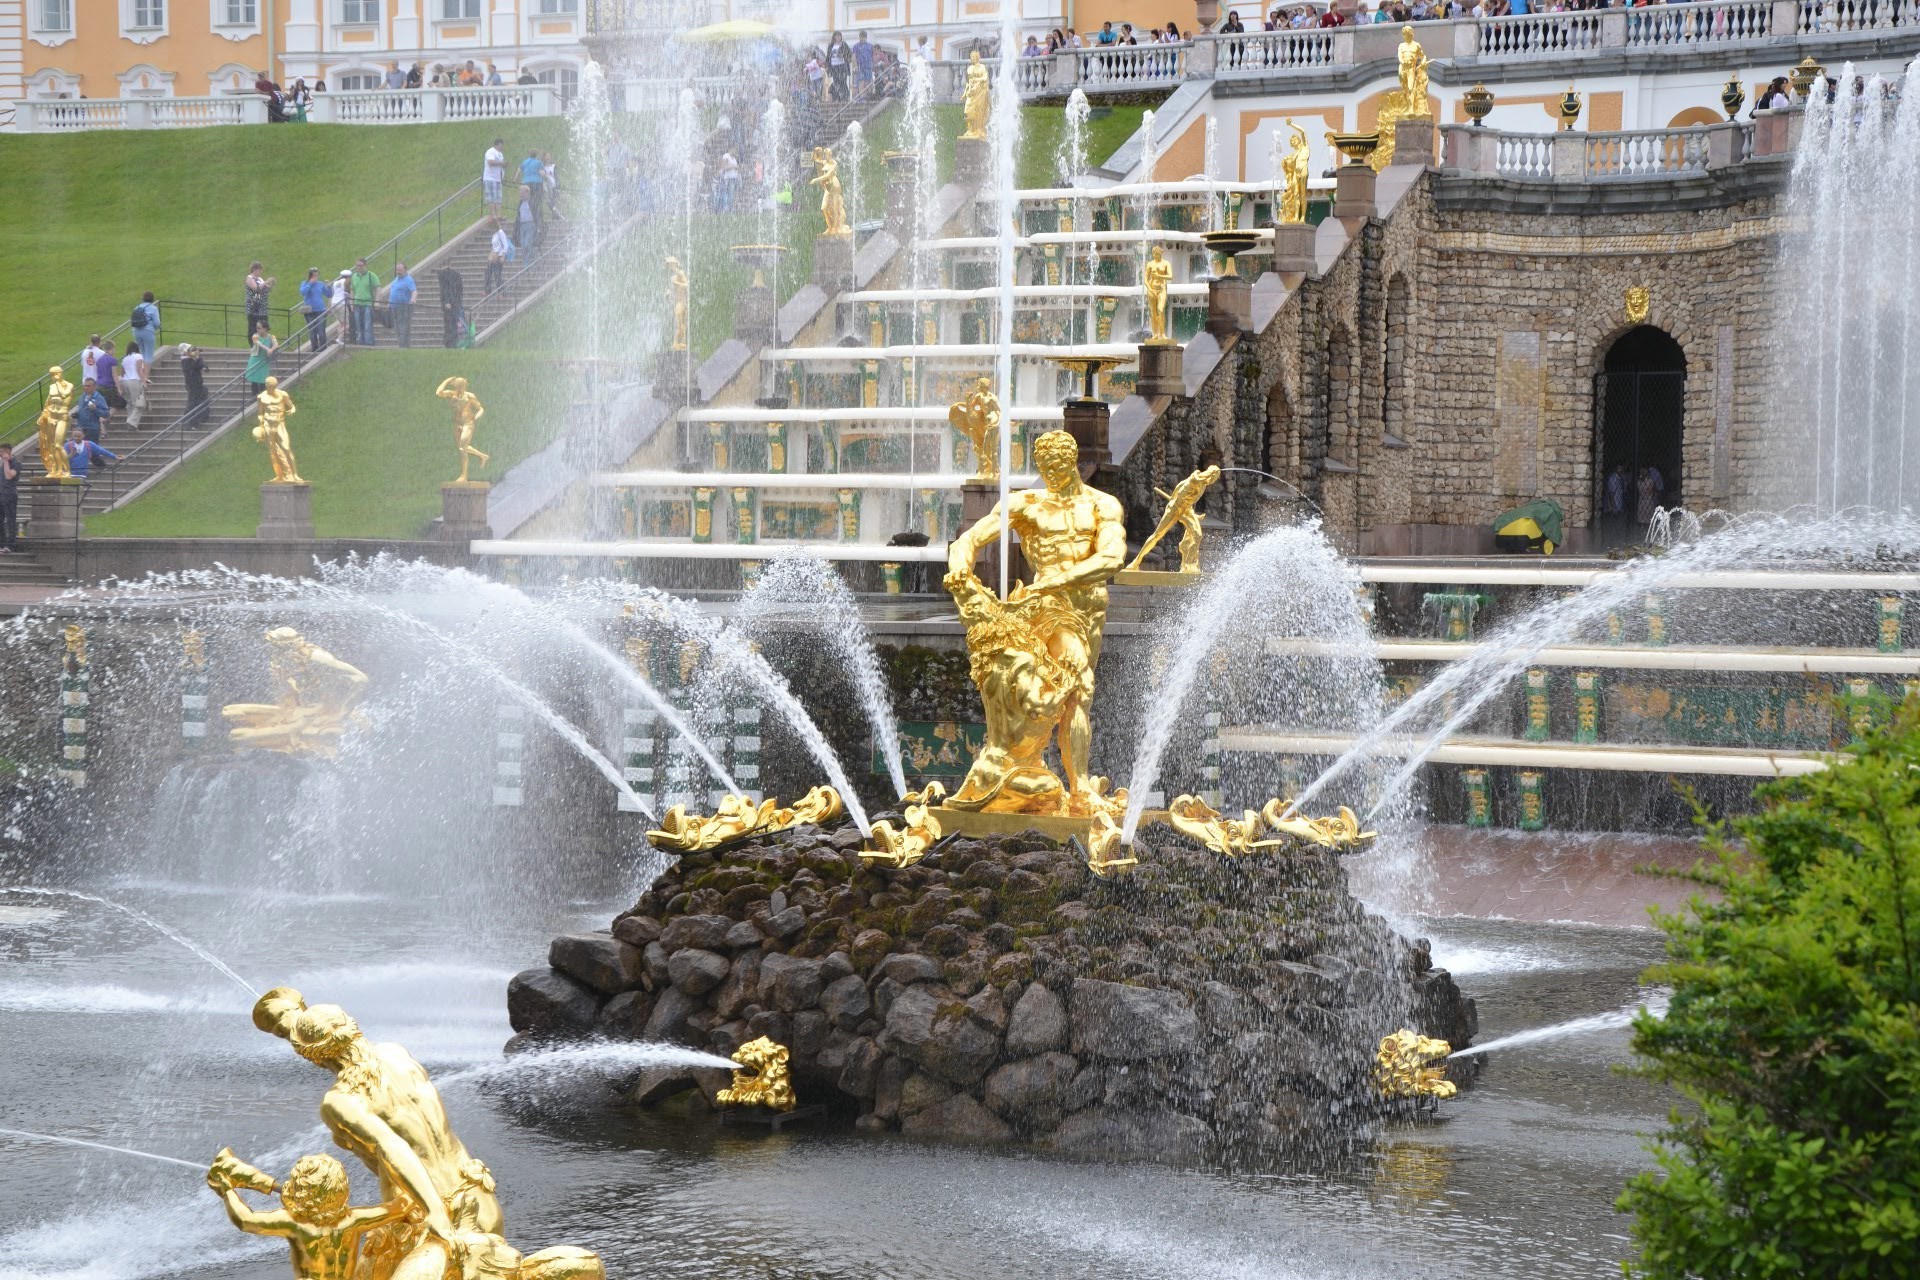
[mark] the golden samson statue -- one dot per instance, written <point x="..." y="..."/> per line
<point x="318" y="697"/>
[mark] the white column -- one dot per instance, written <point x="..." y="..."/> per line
<point x="505" y="28"/>
<point x="303" y="29"/>
<point x="406" y="28"/>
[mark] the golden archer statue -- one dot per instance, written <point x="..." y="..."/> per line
<point x="833" y="205"/>
<point x="1293" y="178"/>
<point x="1033" y="655"/>
<point x="1180" y="504"/>
<point x="1413" y="77"/>
<point x="1158" y="275"/>
<point x="977" y="417"/>
<point x="677" y="292"/>
<point x="976" y="100"/>
<point x="467" y="412"/>
<point x="56" y="415"/>
<point x="317" y="700"/>
<point x="276" y="406"/>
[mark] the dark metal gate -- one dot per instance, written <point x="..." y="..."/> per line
<point x="1637" y="420"/>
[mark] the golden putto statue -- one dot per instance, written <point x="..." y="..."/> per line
<point x="56" y="415"/>
<point x="467" y="412"/>
<point x="677" y="295"/>
<point x="977" y="417"/>
<point x="317" y="701"/>
<point x="1033" y="655"/>
<point x="1180" y="504"/>
<point x="976" y="99"/>
<point x="762" y="1079"/>
<point x="276" y="406"/>
<point x="438" y="1217"/>
<point x="833" y="205"/>
<point x="1158" y="275"/>
<point x="1293" y="177"/>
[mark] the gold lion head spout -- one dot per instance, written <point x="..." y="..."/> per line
<point x="1410" y="1065"/>
<point x="761" y="1079"/>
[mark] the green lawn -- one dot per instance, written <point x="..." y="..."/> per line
<point x="370" y="436"/>
<point x="96" y="218"/>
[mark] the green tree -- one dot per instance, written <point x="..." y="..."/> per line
<point x="1794" y="1029"/>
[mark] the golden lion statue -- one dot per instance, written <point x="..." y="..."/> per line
<point x="762" y="1079"/>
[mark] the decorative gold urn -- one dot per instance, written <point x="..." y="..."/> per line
<point x="1478" y="102"/>
<point x="1356" y="147"/>
<point x="1804" y="75"/>
<point x="1569" y="108"/>
<point x="1732" y="95"/>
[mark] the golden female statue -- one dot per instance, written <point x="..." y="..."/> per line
<point x="317" y="697"/>
<point x="1413" y="77"/>
<point x="467" y="412"/>
<point x="976" y="100"/>
<point x="55" y="416"/>
<point x="977" y="417"/>
<point x="832" y="206"/>
<point x="1293" y="178"/>
<point x="1034" y="655"/>
<point x="677" y="291"/>
<point x="276" y="406"/>
<point x="1159" y="274"/>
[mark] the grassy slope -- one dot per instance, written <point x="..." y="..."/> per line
<point x="95" y="218"/>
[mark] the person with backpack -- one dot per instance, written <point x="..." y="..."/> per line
<point x="145" y="323"/>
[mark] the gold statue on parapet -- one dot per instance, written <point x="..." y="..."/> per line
<point x="1033" y="655"/>
<point x="677" y="294"/>
<point x="276" y="406"/>
<point x="1405" y="1067"/>
<point x="318" y="697"/>
<point x="56" y="416"/>
<point x="1413" y="78"/>
<point x="1180" y="510"/>
<point x="1294" y="170"/>
<point x="833" y="204"/>
<point x="1158" y="275"/>
<point x="439" y="1217"/>
<point x="762" y="1079"/>
<point x="738" y="816"/>
<point x="977" y="417"/>
<point x="976" y="98"/>
<point x="467" y="412"/>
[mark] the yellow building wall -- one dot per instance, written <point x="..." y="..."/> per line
<point x="1089" y="14"/>
<point x="99" y="54"/>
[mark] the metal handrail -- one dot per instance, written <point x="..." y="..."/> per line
<point x="389" y="252"/>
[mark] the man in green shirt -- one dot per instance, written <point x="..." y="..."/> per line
<point x="360" y="290"/>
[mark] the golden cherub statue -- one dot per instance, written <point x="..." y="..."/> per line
<point x="276" y="406"/>
<point x="467" y="412"/>
<point x="317" y="700"/>
<point x="762" y="1079"/>
<point x="1033" y="655"/>
<point x="1293" y="177"/>
<point x="56" y="415"/>
<point x="1158" y="276"/>
<point x="1413" y="78"/>
<point x="977" y="417"/>
<point x="1404" y="1067"/>
<point x="1180" y="504"/>
<point x="976" y="99"/>
<point x="677" y="293"/>
<point x="833" y="205"/>
<point x="439" y="1215"/>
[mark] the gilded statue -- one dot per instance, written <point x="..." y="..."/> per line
<point x="1180" y="511"/>
<point x="976" y="99"/>
<point x="677" y="293"/>
<point x="1159" y="274"/>
<point x="762" y="1079"/>
<point x="918" y="832"/>
<point x="56" y="415"/>
<point x="276" y="406"/>
<point x="467" y="412"/>
<point x="1231" y="837"/>
<point x="318" y="697"/>
<point x="738" y="816"/>
<point x="833" y="206"/>
<point x="1405" y="1067"/>
<point x="439" y="1215"/>
<point x="1413" y="78"/>
<point x="1033" y="655"/>
<point x="977" y="417"/>
<point x="1293" y="177"/>
<point x="1340" y="832"/>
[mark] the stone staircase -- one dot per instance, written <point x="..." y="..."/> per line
<point x="25" y="568"/>
<point x="468" y="256"/>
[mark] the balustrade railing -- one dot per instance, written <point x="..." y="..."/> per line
<point x="1645" y="153"/>
<point x="1538" y="35"/>
<point x="1616" y="155"/>
<point x="1133" y="64"/>
<point x="1030" y="75"/>
<point x="1258" y="52"/>
<point x="358" y="106"/>
<point x="1825" y="17"/>
<point x="1523" y="155"/>
<point x="1694" y="25"/>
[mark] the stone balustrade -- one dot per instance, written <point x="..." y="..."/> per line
<point x="1575" y="156"/>
<point x="370" y="106"/>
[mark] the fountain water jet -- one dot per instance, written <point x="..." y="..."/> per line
<point x="102" y="1146"/>
<point x="220" y="966"/>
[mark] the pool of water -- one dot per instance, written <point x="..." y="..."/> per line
<point x="111" y="1032"/>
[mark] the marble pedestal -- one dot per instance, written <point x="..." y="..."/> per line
<point x="1161" y="365"/>
<point x="972" y="162"/>
<point x="833" y="263"/>
<point x="673" y="378"/>
<point x="1353" y="194"/>
<point x="1293" y="248"/>
<point x="463" y="511"/>
<point x="1229" y="305"/>
<point x="286" y="512"/>
<point x="53" y="509"/>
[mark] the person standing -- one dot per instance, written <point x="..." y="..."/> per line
<point x="342" y="330"/>
<point x="260" y="357"/>
<point x="493" y="173"/>
<point x="493" y="78"/>
<point x="103" y="374"/>
<point x="314" y="299"/>
<point x="193" y="372"/>
<point x="9" y="501"/>
<point x="90" y="411"/>
<point x="532" y="174"/>
<point x="499" y="253"/>
<point x="133" y="385"/>
<point x="863" y="67"/>
<point x="145" y="323"/>
<point x="839" y="66"/>
<point x="360" y="289"/>
<point x="259" y="296"/>
<point x="453" y="298"/>
<point x="82" y="454"/>
<point x="90" y="360"/>
<point x="400" y="296"/>
<point x="528" y="227"/>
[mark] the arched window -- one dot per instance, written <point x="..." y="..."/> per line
<point x="1639" y="403"/>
